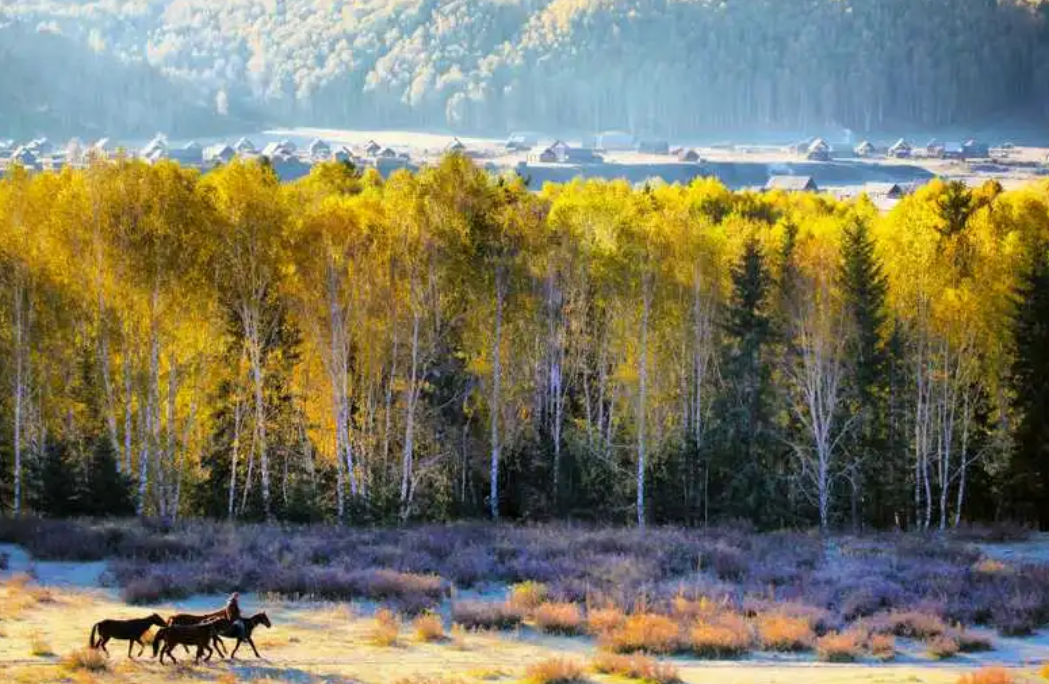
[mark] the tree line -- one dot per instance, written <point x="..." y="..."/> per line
<point x="448" y="344"/>
<point x="654" y="67"/>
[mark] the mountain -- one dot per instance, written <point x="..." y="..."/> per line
<point x="659" y="67"/>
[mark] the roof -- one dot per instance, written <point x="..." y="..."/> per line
<point x="318" y="144"/>
<point x="791" y="183"/>
<point x="900" y="144"/>
<point x="819" y="145"/>
<point x="244" y="145"/>
<point x="865" y="145"/>
<point x="886" y="189"/>
<point x="688" y="154"/>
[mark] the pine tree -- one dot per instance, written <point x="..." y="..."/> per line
<point x="107" y="492"/>
<point x="865" y="286"/>
<point x="1029" y="468"/>
<point x="58" y="494"/>
<point x="744" y="473"/>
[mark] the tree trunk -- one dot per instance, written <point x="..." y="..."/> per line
<point x="128" y="415"/>
<point x="646" y="306"/>
<point x="409" y="421"/>
<point x="496" y="407"/>
<point x="238" y="418"/>
<point x="20" y="356"/>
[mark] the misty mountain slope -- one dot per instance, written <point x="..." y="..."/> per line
<point x="55" y="85"/>
<point x="653" y="66"/>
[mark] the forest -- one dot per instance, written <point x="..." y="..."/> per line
<point x="653" y="67"/>
<point x="447" y="344"/>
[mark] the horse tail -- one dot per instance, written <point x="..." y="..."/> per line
<point x="91" y="638"/>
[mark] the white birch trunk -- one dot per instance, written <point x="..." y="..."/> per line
<point x="19" y="389"/>
<point x="496" y="407"/>
<point x="409" y="421"/>
<point x="642" y="420"/>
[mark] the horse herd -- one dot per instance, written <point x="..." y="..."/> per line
<point x="203" y="631"/>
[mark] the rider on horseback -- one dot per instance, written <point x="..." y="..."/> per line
<point x="233" y="613"/>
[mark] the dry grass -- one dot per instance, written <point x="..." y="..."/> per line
<point x="39" y="647"/>
<point x="601" y="622"/>
<point x="486" y="615"/>
<point x="559" y="618"/>
<point x="385" y="629"/>
<point x="910" y="624"/>
<point x="527" y="596"/>
<point x="645" y="632"/>
<point x="85" y="659"/>
<point x="988" y="675"/>
<point x="840" y="647"/>
<point x="942" y="647"/>
<point x="636" y="666"/>
<point x="991" y="566"/>
<point x="882" y="646"/>
<point x="428" y="627"/>
<point x="777" y="632"/>
<point x="688" y="609"/>
<point x="556" y="671"/>
<point x="724" y="636"/>
<point x="971" y="642"/>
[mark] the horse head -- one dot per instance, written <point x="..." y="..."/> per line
<point x="262" y="618"/>
<point x="155" y="619"/>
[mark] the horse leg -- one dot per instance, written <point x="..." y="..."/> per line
<point x="211" y="652"/>
<point x="252" y="644"/>
<point x="130" y="643"/>
<point x="102" y="644"/>
<point x="219" y="646"/>
<point x="239" y="642"/>
<point x="141" y="646"/>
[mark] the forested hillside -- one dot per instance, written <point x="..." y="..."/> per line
<point x="448" y="344"/>
<point x="666" y="67"/>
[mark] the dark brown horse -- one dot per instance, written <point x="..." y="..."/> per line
<point x="241" y="631"/>
<point x="200" y="636"/>
<point x="190" y="619"/>
<point x="130" y="630"/>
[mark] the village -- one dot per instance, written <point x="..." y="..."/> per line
<point x="885" y="173"/>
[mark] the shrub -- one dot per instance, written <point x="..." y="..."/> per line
<point x="725" y="636"/>
<point x="910" y="624"/>
<point x="840" y="647"/>
<point x="89" y="659"/>
<point x="971" y="642"/>
<point x="428" y="627"/>
<point x="486" y="615"/>
<point x="559" y="618"/>
<point x="556" y="671"/>
<point x="1017" y="617"/>
<point x="942" y="647"/>
<point x="526" y="596"/>
<point x="636" y="666"/>
<point x="39" y="647"/>
<point x="646" y="632"/>
<point x="385" y="628"/>
<point x="687" y="609"/>
<point x="991" y="566"/>
<point x="603" y="621"/>
<point x="988" y="675"/>
<point x="778" y="632"/>
<point x="882" y="646"/>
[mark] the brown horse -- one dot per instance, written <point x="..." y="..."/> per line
<point x="200" y="636"/>
<point x="241" y="631"/>
<point x="131" y="630"/>
<point x="184" y="619"/>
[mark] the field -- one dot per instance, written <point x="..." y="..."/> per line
<point x="473" y="603"/>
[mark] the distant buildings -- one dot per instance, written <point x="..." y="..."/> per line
<point x="865" y="149"/>
<point x="689" y="155"/>
<point x="901" y="149"/>
<point x="792" y="184"/>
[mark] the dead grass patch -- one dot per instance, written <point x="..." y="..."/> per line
<point x="556" y="671"/>
<point x="429" y="627"/>
<point x="646" y="632"/>
<point x="559" y="618"/>
<point x="882" y="646"/>
<point x="486" y="615"/>
<point x="840" y="647"/>
<point x="989" y="675"/>
<point x="778" y="632"/>
<point x="85" y="659"/>
<point x="636" y="666"/>
<point x="385" y="628"/>
<point x="603" y="621"/>
<point x="527" y="596"/>
<point x="724" y="636"/>
<point x="942" y="647"/>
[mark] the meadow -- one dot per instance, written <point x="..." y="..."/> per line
<point x="549" y="603"/>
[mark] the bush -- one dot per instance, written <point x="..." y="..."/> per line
<point x="556" y="671"/>
<point x="942" y="647"/>
<point x="526" y="596"/>
<point x="840" y="647"/>
<point x="778" y="632"/>
<point x="988" y="675"/>
<point x="636" y="666"/>
<point x="559" y="618"/>
<point x="603" y="621"/>
<point x="486" y="615"/>
<point x="910" y="624"/>
<point x="429" y="627"/>
<point x="971" y="642"/>
<point x="646" y="632"/>
<point x="385" y="628"/>
<point x="39" y="647"/>
<point x="882" y="646"/>
<point x="725" y="636"/>
<point x="89" y="659"/>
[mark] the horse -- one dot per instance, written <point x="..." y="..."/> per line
<point x="241" y="631"/>
<point x="183" y="619"/>
<point x="200" y="636"/>
<point x="131" y="630"/>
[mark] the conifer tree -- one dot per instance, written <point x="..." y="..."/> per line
<point x="107" y="492"/>
<point x="1029" y="468"/>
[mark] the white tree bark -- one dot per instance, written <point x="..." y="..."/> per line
<point x="495" y="407"/>
<point x="642" y="406"/>
<point x="21" y="356"/>
<point x="238" y="419"/>
<point x="409" y="420"/>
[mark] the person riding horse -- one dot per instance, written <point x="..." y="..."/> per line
<point x="233" y="613"/>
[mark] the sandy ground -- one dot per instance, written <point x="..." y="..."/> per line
<point x="311" y="643"/>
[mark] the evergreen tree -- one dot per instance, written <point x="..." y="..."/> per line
<point x="1029" y="468"/>
<point x="865" y="286"/>
<point x="58" y="493"/>
<point x="744" y="476"/>
<point x="107" y="492"/>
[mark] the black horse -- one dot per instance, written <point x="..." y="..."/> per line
<point x="201" y="636"/>
<point x="130" y="630"/>
<point x="241" y="631"/>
